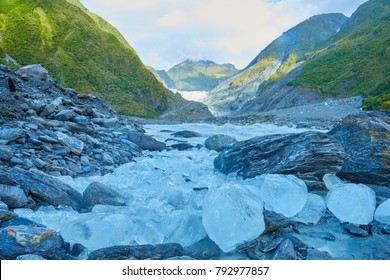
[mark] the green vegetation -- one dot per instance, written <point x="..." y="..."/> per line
<point x="81" y="51"/>
<point x="252" y="73"/>
<point x="200" y="75"/>
<point x="356" y="61"/>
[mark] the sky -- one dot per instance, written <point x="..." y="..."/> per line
<point x="167" y="32"/>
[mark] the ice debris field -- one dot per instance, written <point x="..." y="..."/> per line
<point x="178" y="196"/>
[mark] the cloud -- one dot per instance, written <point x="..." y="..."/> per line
<point x="165" y="32"/>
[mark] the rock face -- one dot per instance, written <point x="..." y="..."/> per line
<point x="219" y="142"/>
<point x="97" y="193"/>
<point x="47" y="189"/>
<point x="146" y="142"/>
<point x="142" y="252"/>
<point x="232" y="215"/>
<point x="366" y="140"/>
<point x="309" y="156"/>
<point x="13" y="196"/>
<point x="21" y="240"/>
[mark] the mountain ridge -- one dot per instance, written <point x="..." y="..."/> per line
<point x="82" y="51"/>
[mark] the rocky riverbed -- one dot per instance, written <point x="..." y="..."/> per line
<point x="77" y="181"/>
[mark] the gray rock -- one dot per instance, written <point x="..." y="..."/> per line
<point x="9" y="135"/>
<point x="219" y="142"/>
<point x="82" y="120"/>
<point x="35" y="71"/>
<point x="181" y="146"/>
<point x="132" y="147"/>
<point x="355" y="230"/>
<point x="6" y="154"/>
<point x="146" y="142"/>
<point x="48" y="189"/>
<point x="309" y="156"/>
<point x="6" y="215"/>
<point x="38" y="163"/>
<point x="22" y="240"/>
<point x="3" y="206"/>
<point x="75" y="168"/>
<point x="286" y="251"/>
<point x="205" y="249"/>
<point x="75" y="145"/>
<point x="140" y="252"/>
<point x="366" y="140"/>
<point x="107" y="123"/>
<point x="107" y="159"/>
<point x="30" y="257"/>
<point x="97" y="193"/>
<point x="186" y="134"/>
<point x="20" y="222"/>
<point x="318" y="255"/>
<point x="64" y="115"/>
<point x="48" y="139"/>
<point x="13" y="196"/>
<point x="48" y="110"/>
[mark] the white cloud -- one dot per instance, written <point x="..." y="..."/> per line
<point x="165" y="32"/>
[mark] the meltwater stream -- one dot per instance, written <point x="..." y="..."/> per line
<point x="164" y="192"/>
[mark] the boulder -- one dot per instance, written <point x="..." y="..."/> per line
<point x="35" y="71"/>
<point x="75" y="145"/>
<point x="285" y="251"/>
<point x="309" y="156"/>
<point x="6" y="215"/>
<point x="97" y="193"/>
<point x="64" y="115"/>
<point x="366" y="140"/>
<point x="107" y="123"/>
<point x="13" y="196"/>
<point x="138" y="252"/>
<point x="22" y="240"/>
<point x="9" y="135"/>
<point x="145" y="142"/>
<point x="219" y="142"/>
<point x="205" y="249"/>
<point x="186" y="134"/>
<point x="46" y="188"/>
<point x="6" y="154"/>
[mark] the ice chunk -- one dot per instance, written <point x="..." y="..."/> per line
<point x="182" y="226"/>
<point x="232" y="215"/>
<point x="382" y="214"/>
<point x="284" y="194"/>
<point x="314" y="209"/>
<point x="353" y="203"/>
<point x="332" y="181"/>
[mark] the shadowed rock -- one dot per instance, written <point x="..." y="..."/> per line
<point x="47" y="189"/>
<point x="366" y="140"/>
<point x="97" y="193"/>
<point x="309" y="156"/>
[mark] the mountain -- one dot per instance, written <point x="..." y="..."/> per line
<point x="82" y="51"/>
<point x="356" y="61"/>
<point x="203" y="75"/>
<point x="281" y="56"/>
<point x="163" y="77"/>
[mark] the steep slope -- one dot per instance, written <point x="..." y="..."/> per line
<point x="202" y="75"/>
<point x="356" y="61"/>
<point x="281" y="56"/>
<point x="81" y="51"/>
<point x="163" y="77"/>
